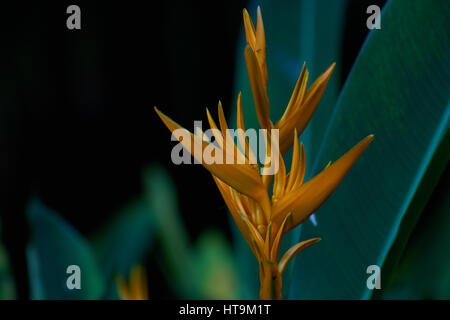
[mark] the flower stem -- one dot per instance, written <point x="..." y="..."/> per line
<point x="270" y="282"/>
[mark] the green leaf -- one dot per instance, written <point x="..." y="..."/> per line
<point x="298" y="31"/>
<point x="398" y="90"/>
<point x="215" y="268"/>
<point x="176" y="250"/>
<point x="204" y="271"/>
<point x="7" y="286"/>
<point x="124" y="242"/>
<point x="424" y="269"/>
<point x="54" y="246"/>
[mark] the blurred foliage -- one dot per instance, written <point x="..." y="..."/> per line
<point x="205" y="270"/>
<point x="398" y="90"/>
<point x="172" y="237"/>
<point x="215" y="267"/>
<point x="7" y="287"/>
<point x="54" y="246"/>
<point x="124" y="242"/>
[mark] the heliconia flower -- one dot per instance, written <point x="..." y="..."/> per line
<point x="136" y="288"/>
<point x="263" y="221"/>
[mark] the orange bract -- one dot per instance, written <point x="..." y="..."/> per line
<point x="136" y="288"/>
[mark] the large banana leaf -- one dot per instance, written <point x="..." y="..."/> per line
<point x="296" y="32"/>
<point x="424" y="269"/>
<point x="54" y="246"/>
<point x="398" y="90"/>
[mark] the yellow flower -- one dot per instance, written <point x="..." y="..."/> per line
<point x="263" y="221"/>
<point x="136" y="289"/>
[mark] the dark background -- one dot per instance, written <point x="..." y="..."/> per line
<point x="77" y="124"/>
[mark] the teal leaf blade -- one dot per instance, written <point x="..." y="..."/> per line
<point x="54" y="246"/>
<point x="398" y="90"/>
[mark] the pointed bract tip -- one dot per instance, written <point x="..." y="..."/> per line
<point x="315" y="240"/>
<point x="368" y="139"/>
<point x="162" y="116"/>
<point x="159" y="113"/>
<point x="245" y="13"/>
<point x="331" y="68"/>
